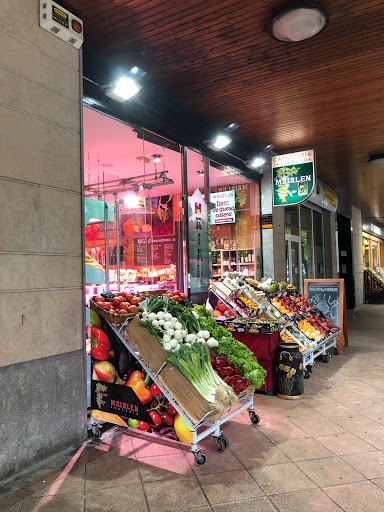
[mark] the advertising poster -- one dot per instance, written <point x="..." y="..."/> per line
<point x="198" y="247"/>
<point x="161" y="209"/>
<point x="293" y="177"/>
<point x="223" y="211"/>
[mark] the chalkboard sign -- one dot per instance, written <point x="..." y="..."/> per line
<point x="328" y="296"/>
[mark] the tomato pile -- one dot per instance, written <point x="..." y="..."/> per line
<point x="176" y="296"/>
<point x="230" y="374"/>
<point x="121" y="304"/>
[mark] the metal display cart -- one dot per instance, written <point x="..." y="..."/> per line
<point x="200" y="429"/>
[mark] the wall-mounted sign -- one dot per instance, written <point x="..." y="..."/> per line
<point x="324" y="196"/>
<point x="224" y="210"/>
<point x="266" y="221"/>
<point x="293" y="177"/>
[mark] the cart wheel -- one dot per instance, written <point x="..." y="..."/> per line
<point x="336" y="351"/>
<point x="200" y="458"/>
<point x="221" y="443"/>
<point x="96" y="432"/>
<point x="255" y="418"/>
<point x="310" y="368"/>
<point x="306" y="374"/>
<point x="325" y="358"/>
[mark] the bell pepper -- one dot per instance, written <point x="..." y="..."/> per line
<point x="136" y="375"/>
<point x="132" y="422"/>
<point x="142" y="393"/>
<point x="100" y="344"/>
<point x="143" y="426"/>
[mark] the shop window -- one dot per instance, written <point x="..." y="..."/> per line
<point x="139" y="175"/>
<point x="234" y="223"/>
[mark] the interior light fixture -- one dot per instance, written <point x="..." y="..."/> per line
<point x="126" y="86"/>
<point x="298" y="21"/>
<point x="200" y="173"/>
<point x="256" y="162"/>
<point x="156" y="158"/>
<point x="131" y="201"/>
<point x="219" y="142"/>
<point x="231" y="127"/>
<point x="377" y="160"/>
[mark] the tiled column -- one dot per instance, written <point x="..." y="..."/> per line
<point x="43" y="399"/>
<point x="357" y="250"/>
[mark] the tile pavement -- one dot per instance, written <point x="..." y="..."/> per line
<point x="324" y="453"/>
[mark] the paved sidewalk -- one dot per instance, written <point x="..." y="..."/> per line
<point x="323" y="454"/>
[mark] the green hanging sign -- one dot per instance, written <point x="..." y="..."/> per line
<point x="293" y="177"/>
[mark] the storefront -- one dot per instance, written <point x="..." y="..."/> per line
<point x="373" y="251"/>
<point x="160" y="216"/>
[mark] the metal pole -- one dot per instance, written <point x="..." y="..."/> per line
<point x="117" y="217"/>
<point x="186" y="267"/>
<point x="237" y="250"/>
<point x="106" y="241"/>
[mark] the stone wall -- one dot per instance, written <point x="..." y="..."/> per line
<point x="43" y="398"/>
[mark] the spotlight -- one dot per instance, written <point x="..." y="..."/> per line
<point x="147" y="186"/>
<point x="256" y="162"/>
<point x="126" y="86"/>
<point x="156" y="158"/>
<point x="377" y="160"/>
<point x="200" y="173"/>
<point x="131" y="201"/>
<point x="219" y="142"/>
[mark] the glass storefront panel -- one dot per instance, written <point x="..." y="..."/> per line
<point x="306" y="243"/>
<point x="366" y="252"/>
<point x="140" y="174"/>
<point x="235" y="223"/>
<point x="318" y="238"/>
<point x="375" y="254"/>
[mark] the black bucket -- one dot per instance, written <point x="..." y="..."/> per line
<point x="289" y="372"/>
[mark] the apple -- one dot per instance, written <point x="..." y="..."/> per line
<point x="104" y="371"/>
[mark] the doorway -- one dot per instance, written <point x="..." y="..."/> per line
<point x="294" y="263"/>
<point x="345" y="259"/>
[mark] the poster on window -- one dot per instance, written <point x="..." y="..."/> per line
<point x="223" y="207"/>
<point x="161" y="209"/>
<point x="198" y="246"/>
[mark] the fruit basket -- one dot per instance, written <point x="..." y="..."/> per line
<point x="114" y="318"/>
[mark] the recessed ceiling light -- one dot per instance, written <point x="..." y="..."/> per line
<point x="219" y="142"/>
<point x="297" y="22"/>
<point x="377" y="160"/>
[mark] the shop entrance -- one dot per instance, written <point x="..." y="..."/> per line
<point x="345" y="259"/>
<point x="293" y="261"/>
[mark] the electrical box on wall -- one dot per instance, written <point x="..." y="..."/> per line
<point x="61" y="23"/>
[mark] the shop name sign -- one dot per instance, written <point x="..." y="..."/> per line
<point x="223" y="211"/>
<point x="293" y="177"/>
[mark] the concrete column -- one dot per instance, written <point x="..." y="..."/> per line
<point x="43" y="398"/>
<point x="279" y="256"/>
<point x="357" y="251"/>
<point x="267" y="234"/>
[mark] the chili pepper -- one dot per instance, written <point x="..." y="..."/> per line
<point x="143" y="426"/>
<point x="156" y="392"/>
<point x="136" y="375"/>
<point x="100" y="346"/>
<point x="147" y="379"/>
<point x="155" y="416"/>
<point x="142" y="393"/>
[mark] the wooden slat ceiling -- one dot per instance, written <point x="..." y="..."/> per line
<point x="217" y="60"/>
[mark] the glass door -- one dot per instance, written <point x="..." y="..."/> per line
<point x="294" y="275"/>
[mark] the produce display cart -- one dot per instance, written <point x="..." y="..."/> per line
<point x="251" y="303"/>
<point x="201" y="417"/>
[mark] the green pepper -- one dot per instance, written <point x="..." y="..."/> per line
<point x="95" y="319"/>
<point x="132" y="423"/>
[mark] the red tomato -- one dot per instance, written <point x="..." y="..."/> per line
<point x="145" y="427"/>
<point x="133" y="309"/>
<point x="123" y="294"/>
<point x="129" y="297"/>
<point x="105" y="305"/>
<point x="135" y="300"/>
<point x="156" y="392"/>
<point x="166" y="419"/>
<point x="122" y="312"/>
<point x="171" y="410"/>
<point x="118" y="300"/>
<point x="183" y="296"/>
<point x="125" y="305"/>
<point x="99" y="298"/>
<point x="175" y="293"/>
<point x="155" y="418"/>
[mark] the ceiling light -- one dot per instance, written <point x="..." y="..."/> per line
<point x="297" y="22"/>
<point x="131" y="201"/>
<point x="377" y="160"/>
<point x="219" y="142"/>
<point x="232" y="127"/>
<point x="156" y="158"/>
<point x="200" y="173"/>
<point x="256" y="162"/>
<point x="124" y="89"/>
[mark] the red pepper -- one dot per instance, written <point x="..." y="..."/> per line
<point x="156" y="392"/>
<point x="145" y="427"/>
<point x="155" y="418"/>
<point x="136" y="375"/>
<point x="172" y="411"/>
<point x="100" y="346"/>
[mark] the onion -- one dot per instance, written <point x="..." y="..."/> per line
<point x="178" y="326"/>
